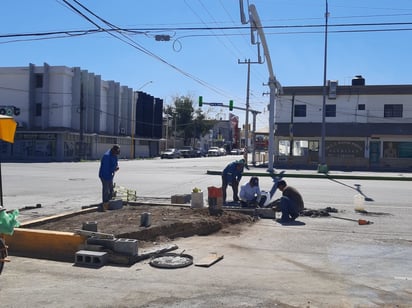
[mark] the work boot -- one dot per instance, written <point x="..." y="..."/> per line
<point x="104" y="207"/>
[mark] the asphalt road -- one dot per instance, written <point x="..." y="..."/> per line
<point x="323" y="262"/>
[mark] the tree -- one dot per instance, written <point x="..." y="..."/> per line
<point x="190" y="124"/>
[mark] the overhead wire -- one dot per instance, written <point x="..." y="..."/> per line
<point x="139" y="47"/>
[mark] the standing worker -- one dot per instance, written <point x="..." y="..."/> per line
<point x="231" y="175"/>
<point x="291" y="202"/>
<point x="108" y="167"/>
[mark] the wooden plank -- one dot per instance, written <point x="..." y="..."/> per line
<point x="209" y="260"/>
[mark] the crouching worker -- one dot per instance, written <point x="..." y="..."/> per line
<point x="250" y="194"/>
<point x="291" y="202"/>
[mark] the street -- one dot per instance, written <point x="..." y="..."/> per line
<point x="324" y="262"/>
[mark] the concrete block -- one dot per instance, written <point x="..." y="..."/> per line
<point x="106" y="243"/>
<point x="181" y="199"/>
<point x="115" y="204"/>
<point x="90" y="226"/>
<point x="91" y="258"/>
<point x="145" y="219"/>
<point x="265" y="213"/>
<point x="126" y="246"/>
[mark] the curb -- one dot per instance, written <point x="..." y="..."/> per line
<point x="324" y="176"/>
<point x="44" y="244"/>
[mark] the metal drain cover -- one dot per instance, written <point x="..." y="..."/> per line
<point x="171" y="260"/>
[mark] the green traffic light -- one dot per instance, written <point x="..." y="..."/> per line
<point x="200" y="101"/>
<point x="231" y="105"/>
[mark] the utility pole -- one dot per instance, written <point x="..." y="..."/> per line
<point x="291" y="127"/>
<point x="323" y="168"/>
<point x="248" y="62"/>
<point x="81" y="137"/>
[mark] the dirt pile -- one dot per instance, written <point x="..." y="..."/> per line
<point x="167" y="222"/>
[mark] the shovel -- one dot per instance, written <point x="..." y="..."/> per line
<point x="359" y="221"/>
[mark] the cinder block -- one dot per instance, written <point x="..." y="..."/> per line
<point x="106" y="243"/>
<point x="90" y="226"/>
<point x="181" y="199"/>
<point x="115" y="204"/>
<point x="126" y="246"/>
<point x="91" y="258"/>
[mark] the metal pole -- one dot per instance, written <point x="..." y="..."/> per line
<point x="291" y="127"/>
<point x="247" y="107"/>
<point x="322" y="146"/>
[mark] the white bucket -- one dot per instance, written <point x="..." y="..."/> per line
<point x="197" y="200"/>
<point x="358" y="202"/>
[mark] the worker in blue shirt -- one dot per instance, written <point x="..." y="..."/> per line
<point x="231" y="175"/>
<point x="108" y="167"/>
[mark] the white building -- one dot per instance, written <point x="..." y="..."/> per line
<point x="66" y="113"/>
<point x="366" y="127"/>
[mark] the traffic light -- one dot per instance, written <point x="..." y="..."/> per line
<point x="200" y="101"/>
<point x="231" y="105"/>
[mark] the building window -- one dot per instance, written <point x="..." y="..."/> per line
<point x="361" y="107"/>
<point x="38" y="109"/>
<point x="330" y="111"/>
<point x="393" y="111"/>
<point x="38" y="80"/>
<point x="300" y="111"/>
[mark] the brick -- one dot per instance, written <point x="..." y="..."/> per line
<point x="91" y="258"/>
<point x="126" y="246"/>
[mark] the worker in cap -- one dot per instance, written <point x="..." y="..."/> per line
<point x="108" y="167"/>
<point x="231" y="175"/>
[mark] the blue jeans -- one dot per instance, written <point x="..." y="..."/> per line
<point x="235" y="187"/>
<point x="107" y="190"/>
<point x="288" y="208"/>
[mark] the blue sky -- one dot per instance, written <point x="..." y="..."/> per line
<point x="207" y="39"/>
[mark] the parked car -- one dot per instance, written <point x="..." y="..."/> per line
<point x="222" y="151"/>
<point x="213" y="151"/>
<point x="187" y="151"/>
<point x="235" y="152"/>
<point x="170" y="153"/>
<point x="199" y="152"/>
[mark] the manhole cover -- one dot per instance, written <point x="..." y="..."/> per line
<point x="172" y="260"/>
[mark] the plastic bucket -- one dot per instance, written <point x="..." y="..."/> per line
<point x="358" y="202"/>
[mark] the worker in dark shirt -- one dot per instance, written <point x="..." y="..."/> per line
<point x="291" y="202"/>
